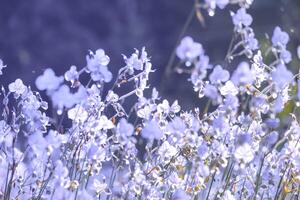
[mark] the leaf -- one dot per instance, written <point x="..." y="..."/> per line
<point x="288" y="108"/>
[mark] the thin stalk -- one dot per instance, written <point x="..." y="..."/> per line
<point x="242" y="188"/>
<point x="210" y="186"/>
<point x="280" y="181"/>
<point x="44" y="186"/>
<point x="184" y="29"/>
<point x="258" y="177"/>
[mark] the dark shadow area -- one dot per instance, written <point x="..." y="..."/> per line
<point x="37" y="34"/>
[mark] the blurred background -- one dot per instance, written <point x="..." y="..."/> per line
<point x="37" y="34"/>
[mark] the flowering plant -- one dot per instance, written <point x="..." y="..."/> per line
<point x="241" y="146"/>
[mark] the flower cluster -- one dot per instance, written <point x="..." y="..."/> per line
<point x="244" y="144"/>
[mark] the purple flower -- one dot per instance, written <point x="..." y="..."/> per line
<point x="279" y="103"/>
<point x="286" y="56"/>
<point x="281" y="76"/>
<point x="220" y="124"/>
<point x="211" y="92"/>
<point x="231" y="102"/>
<point x="180" y="195"/>
<point x="272" y="123"/>
<point x="251" y="41"/>
<point x="219" y="75"/>
<point x="48" y="81"/>
<point x="124" y="128"/>
<point x="242" y="75"/>
<point x="280" y="38"/>
<point x="242" y="18"/>
<point x="63" y="97"/>
<point x="271" y="138"/>
<point x="177" y="126"/>
<point x="188" y="50"/>
<point x="203" y="64"/>
<point x="222" y="3"/>
<point x="152" y="130"/>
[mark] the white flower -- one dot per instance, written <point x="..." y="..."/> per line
<point x="106" y="123"/>
<point x="99" y="187"/>
<point x="112" y="97"/>
<point x="144" y="113"/>
<point x="165" y="107"/>
<point x="102" y="124"/>
<point x="2" y="66"/>
<point x="97" y="65"/>
<point x="99" y="58"/>
<point x="48" y="81"/>
<point x="244" y="153"/>
<point x="228" y="88"/>
<point x="17" y="87"/>
<point x="55" y="139"/>
<point x="78" y="114"/>
<point x="72" y="74"/>
<point x="154" y="94"/>
<point x="166" y="150"/>
<point x="133" y="62"/>
<point x="228" y="196"/>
